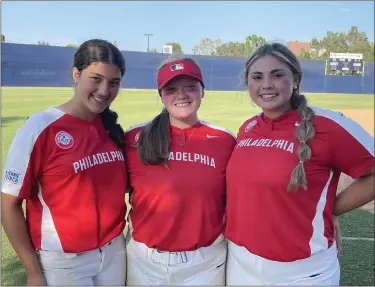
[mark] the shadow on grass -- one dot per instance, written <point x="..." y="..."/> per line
<point x="5" y="121"/>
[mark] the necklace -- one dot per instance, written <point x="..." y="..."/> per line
<point x="183" y="144"/>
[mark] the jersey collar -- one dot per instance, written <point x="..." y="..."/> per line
<point x="176" y="130"/>
<point x="290" y="118"/>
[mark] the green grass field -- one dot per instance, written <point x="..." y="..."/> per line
<point x="227" y="109"/>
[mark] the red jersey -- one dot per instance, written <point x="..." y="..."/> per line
<point x="180" y="208"/>
<point x="74" y="179"/>
<point x="261" y="214"/>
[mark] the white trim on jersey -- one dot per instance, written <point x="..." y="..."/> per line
<point x="318" y="241"/>
<point x="17" y="161"/>
<point x="352" y="127"/>
<point x="50" y="240"/>
<point x="217" y="128"/>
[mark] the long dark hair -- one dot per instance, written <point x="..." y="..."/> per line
<point x="95" y="51"/>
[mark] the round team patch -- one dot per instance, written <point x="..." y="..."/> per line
<point x="250" y="125"/>
<point x="64" y="140"/>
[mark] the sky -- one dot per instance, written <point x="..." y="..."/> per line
<point x="186" y="23"/>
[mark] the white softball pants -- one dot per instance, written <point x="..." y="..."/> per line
<point x="102" y="266"/>
<point x="148" y="266"/>
<point x="245" y="268"/>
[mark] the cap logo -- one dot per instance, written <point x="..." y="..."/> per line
<point x="177" y="67"/>
<point x="64" y="140"/>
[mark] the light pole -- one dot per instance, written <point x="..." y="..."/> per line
<point x="148" y="41"/>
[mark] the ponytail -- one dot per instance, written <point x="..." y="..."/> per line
<point x="304" y="132"/>
<point x="115" y="131"/>
<point x="153" y="141"/>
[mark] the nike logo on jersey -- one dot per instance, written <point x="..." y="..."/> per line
<point x="296" y="124"/>
<point x="210" y="137"/>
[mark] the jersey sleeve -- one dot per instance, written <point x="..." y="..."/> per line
<point x="351" y="147"/>
<point x="23" y="163"/>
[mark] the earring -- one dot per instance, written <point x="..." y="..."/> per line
<point x="295" y="87"/>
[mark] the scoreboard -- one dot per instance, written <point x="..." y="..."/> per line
<point x="346" y="62"/>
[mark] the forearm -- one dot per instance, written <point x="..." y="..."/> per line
<point x="15" y="227"/>
<point x="358" y="193"/>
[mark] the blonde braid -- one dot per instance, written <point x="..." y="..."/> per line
<point x="304" y="133"/>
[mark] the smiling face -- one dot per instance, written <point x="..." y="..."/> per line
<point x="96" y="86"/>
<point x="270" y="83"/>
<point x="182" y="98"/>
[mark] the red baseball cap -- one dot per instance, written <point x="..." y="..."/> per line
<point x="178" y="68"/>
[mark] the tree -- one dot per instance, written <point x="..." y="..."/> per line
<point x="176" y="48"/>
<point x="232" y="49"/>
<point x="43" y="43"/>
<point x="2" y="38"/>
<point x="252" y="42"/>
<point x="239" y="49"/>
<point x="207" y="47"/>
<point x="304" y="54"/>
<point x="371" y="58"/>
<point x="358" y="43"/>
<point x="353" y="41"/>
<point x="72" y="46"/>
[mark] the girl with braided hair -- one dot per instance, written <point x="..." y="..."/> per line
<point x="282" y="180"/>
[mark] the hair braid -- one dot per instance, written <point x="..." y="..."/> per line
<point x="304" y="133"/>
<point x="115" y="131"/>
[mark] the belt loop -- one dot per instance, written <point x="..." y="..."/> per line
<point x="183" y="257"/>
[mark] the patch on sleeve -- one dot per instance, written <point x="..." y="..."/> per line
<point x="12" y="176"/>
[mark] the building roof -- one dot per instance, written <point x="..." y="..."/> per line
<point x="296" y="47"/>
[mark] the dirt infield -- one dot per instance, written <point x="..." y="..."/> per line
<point x="366" y="119"/>
<point x="363" y="117"/>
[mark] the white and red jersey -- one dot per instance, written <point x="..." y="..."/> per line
<point x="180" y="208"/>
<point x="74" y="179"/>
<point x="261" y="214"/>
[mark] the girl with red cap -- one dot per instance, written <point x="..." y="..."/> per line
<point x="282" y="180"/>
<point x="176" y="166"/>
